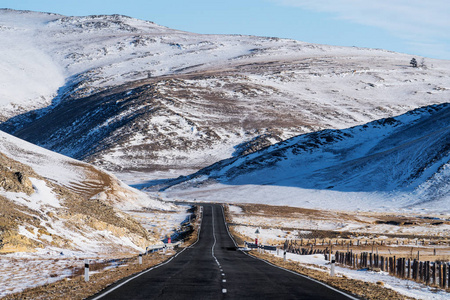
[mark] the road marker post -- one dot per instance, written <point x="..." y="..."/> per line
<point x="284" y="255"/>
<point x="140" y="258"/>
<point x="333" y="263"/>
<point x="86" y="270"/>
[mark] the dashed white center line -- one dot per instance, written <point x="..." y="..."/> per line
<point x="224" y="291"/>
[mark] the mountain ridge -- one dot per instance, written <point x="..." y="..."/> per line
<point x="136" y="97"/>
<point x="400" y="162"/>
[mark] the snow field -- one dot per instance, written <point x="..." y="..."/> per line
<point x="18" y="274"/>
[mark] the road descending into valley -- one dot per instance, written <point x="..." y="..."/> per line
<point x="213" y="268"/>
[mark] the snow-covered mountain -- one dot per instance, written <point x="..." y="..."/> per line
<point x="49" y="201"/>
<point x="131" y="95"/>
<point x="392" y="163"/>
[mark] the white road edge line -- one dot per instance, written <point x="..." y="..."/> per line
<point x="298" y="274"/>
<point x="152" y="268"/>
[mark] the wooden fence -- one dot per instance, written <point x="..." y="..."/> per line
<point x="427" y="272"/>
<point x="431" y="273"/>
<point x="367" y="242"/>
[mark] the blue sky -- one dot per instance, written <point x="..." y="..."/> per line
<point x="417" y="27"/>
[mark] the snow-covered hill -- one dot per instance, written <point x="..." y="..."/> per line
<point x="54" y="203"/>
<point x="392" y="163"/>
<point x="131" y="95"/>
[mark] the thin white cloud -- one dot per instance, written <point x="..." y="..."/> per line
<point x="416" y="21"/>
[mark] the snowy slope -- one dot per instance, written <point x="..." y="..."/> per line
<point x="400" y="162"/>
<point x="52" y="202"/>
<point x="77" y="176"/>
<point x="131" y="95"/>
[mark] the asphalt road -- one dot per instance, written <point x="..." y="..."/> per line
<point x="213" y="269"/>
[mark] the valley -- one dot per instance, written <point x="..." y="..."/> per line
<point x="111" y="127"/>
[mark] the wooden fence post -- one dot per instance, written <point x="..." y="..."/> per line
<point x="415" y="269"/>
<point x="433" y="273"/>
<point x="424" y="271"/>
<point x="409" y="268"/>
<point x="444" y="276"/>
<point x="448" y="281"/>
<point x="419" y="263"/>
<point x="387" y="264"/>
<point x="395" y="266"/>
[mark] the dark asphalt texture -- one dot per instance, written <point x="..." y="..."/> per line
<point x="195" y="274"/>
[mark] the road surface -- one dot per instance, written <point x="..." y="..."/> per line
<point x="214" y="269"/>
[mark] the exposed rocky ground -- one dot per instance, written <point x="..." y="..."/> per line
<point x="53" y="203"/>
<point x="136" y="96"/>
<point x="47" y="225"/>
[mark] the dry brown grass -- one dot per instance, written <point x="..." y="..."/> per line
<point x="363" y="217"/>
<point x="77" y="288"/>
<point x="96" y="182"/>
<point x="239" y="238"/>
<point x="420" y="231"/>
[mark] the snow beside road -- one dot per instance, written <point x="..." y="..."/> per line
<point x="405" y="287"/>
